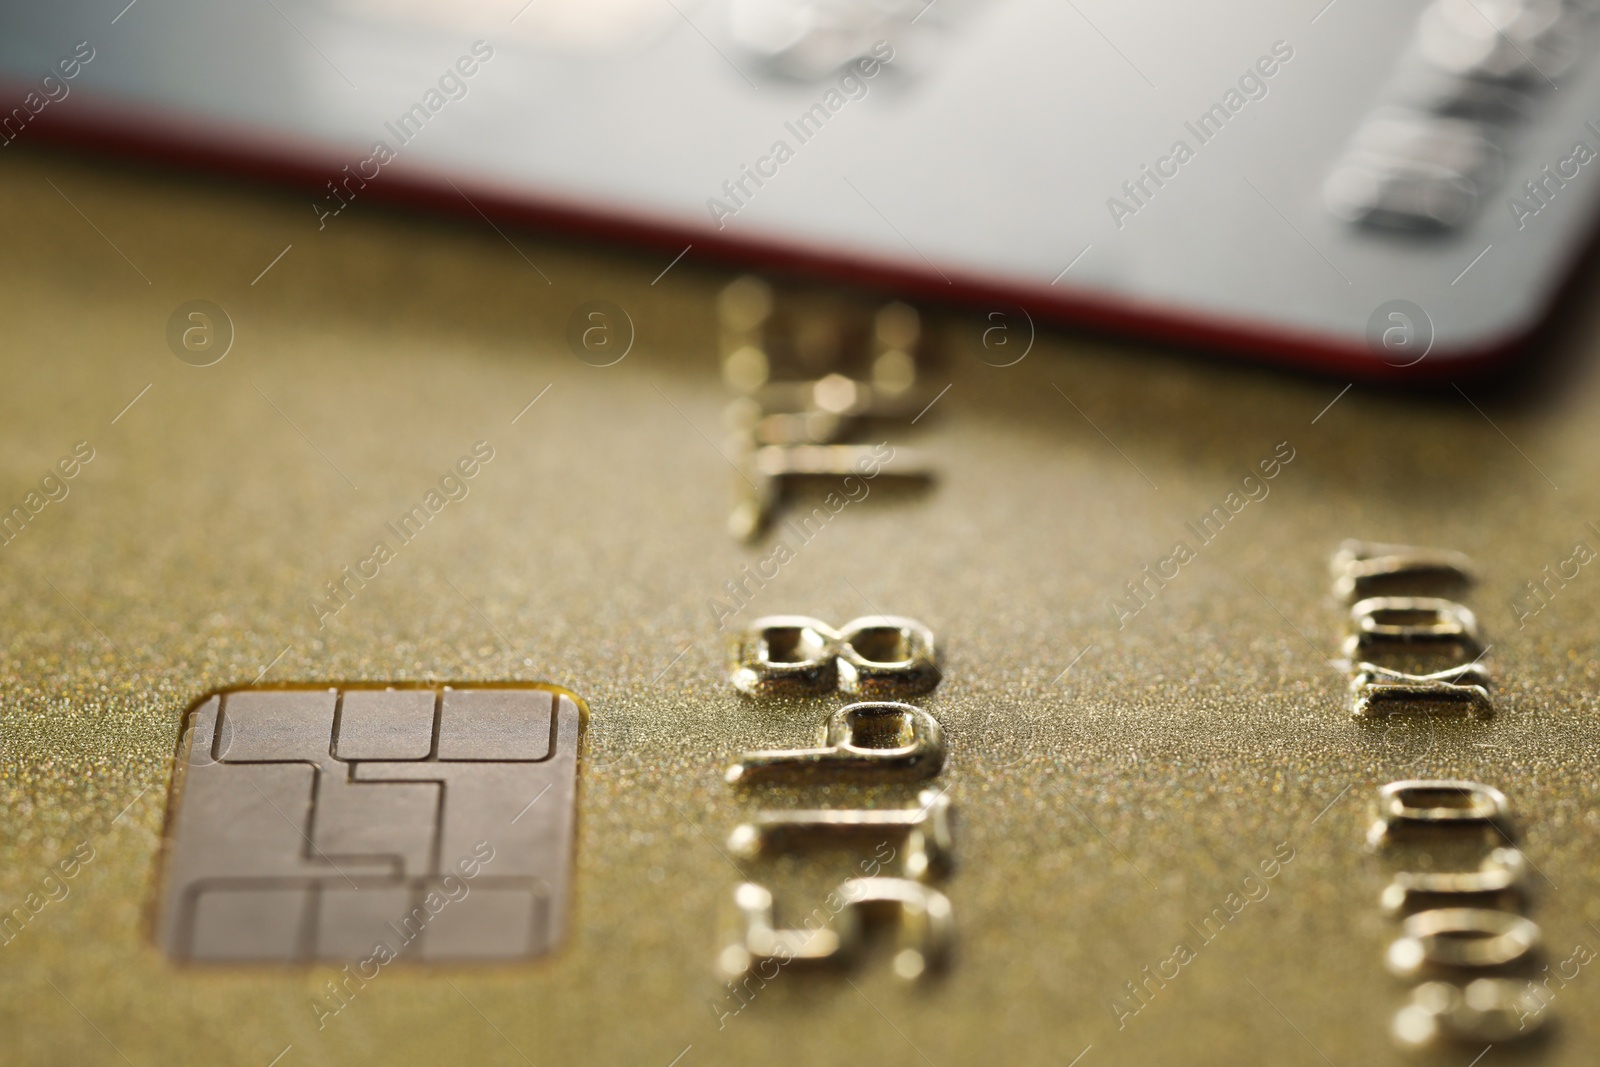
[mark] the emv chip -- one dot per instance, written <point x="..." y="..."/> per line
<point x="346" y="824"/>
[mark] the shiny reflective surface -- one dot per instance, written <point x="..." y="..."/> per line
<point x="1113" y="785"/>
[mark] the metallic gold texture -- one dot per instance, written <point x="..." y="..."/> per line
<point x="1117" y="774"/>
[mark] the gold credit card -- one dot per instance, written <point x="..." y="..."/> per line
<point x="431" y="644"/>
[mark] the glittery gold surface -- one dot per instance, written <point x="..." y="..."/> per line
<point x="1099" y="811"/>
